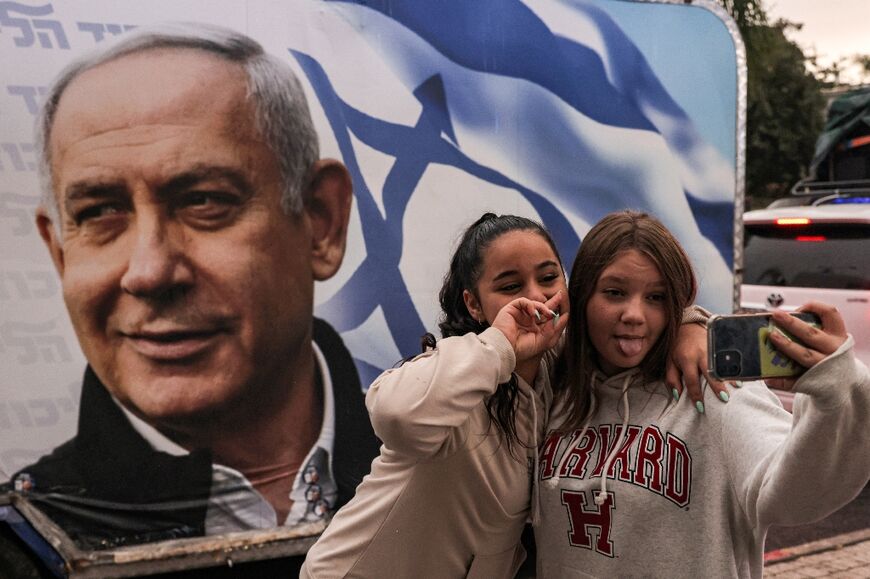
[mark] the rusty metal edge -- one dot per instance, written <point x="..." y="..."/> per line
<point x="167" y="556"/>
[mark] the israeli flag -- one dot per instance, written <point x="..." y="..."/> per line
<point x="443" y="110"/>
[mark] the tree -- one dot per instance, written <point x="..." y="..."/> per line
<point x="784" y="103"/>
<point x="863" y="60"/>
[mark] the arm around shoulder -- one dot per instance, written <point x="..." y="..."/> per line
<point x="414" y="407"/>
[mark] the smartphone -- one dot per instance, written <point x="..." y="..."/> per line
<point x="739" y="347"/>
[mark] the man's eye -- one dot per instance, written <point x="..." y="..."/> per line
<point x="208" y="205"/>
<point x="205" y="198"/>
<point x="96" y="212"/>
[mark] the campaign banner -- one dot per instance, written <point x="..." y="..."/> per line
<point x="557" y="110"/>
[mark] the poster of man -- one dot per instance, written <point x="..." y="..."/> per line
<point x="246" y="220"/>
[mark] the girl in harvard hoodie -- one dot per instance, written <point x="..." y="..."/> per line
<point x="628" y="478"/>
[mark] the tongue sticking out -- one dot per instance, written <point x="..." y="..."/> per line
<point x="630" y="347"/>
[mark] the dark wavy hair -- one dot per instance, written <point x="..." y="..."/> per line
<point x="466" y="267"/>
<point x="615" y="233"/>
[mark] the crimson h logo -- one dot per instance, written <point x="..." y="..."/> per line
<point x="582" y="520"/>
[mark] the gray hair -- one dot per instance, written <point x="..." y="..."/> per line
<point x="280" y="108"/>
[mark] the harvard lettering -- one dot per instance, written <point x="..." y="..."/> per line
<point x="597" y="517"/>
<point x="647" y="458"/>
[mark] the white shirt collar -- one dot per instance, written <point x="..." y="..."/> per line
<point x="242" y="507"/>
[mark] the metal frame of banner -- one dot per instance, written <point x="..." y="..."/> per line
<point x="169" y="556"/>
<point x="740" y="158"/>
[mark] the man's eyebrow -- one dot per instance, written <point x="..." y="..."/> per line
<point x="510" y="272"/>
<point x="200" y="174"/>
<point x="91" y="189"/>
<point x="114" y="188"/>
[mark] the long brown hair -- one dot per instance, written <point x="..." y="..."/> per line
<point x="618" y="232"/>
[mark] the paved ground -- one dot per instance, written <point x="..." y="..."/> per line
<point x="853" y="517"/>
<point x="845" y="556"/>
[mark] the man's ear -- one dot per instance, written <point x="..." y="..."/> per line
<point x="328" y="210"/>
<point x="473" y="306"/>
<point x="50" y="236"/>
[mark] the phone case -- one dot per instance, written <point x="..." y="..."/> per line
<point x="739" y="348"/>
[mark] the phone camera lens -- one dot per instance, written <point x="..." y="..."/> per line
<point x="728" y="363"/>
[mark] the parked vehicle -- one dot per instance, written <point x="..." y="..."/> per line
<point x="815" y="244"/>
<point x="796" y="254"/>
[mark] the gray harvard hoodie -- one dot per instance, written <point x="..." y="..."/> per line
<point x="689" y="495"/>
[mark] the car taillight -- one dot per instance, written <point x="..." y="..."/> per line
<point x="810" y="238"/>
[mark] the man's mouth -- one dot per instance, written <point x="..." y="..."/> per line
<point x="172" y="345"/>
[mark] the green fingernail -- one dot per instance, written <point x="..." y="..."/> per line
<point x="676" y="394"/>
<point x="699" y="406"/>
<point x="738" y="383"/>
<point x="723" y="396"/>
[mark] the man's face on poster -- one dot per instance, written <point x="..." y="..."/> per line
<point x="189" y="289"/>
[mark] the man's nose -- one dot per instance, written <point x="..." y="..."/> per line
<point x="157" y="264"/>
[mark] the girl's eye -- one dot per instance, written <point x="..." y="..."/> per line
<point x="657" y="297"/>
<point x="549" y="278"/>
<point x="511" y="287"/>
<point x="612" y="292"/>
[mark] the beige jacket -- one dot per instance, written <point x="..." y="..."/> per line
<point x="445" y="498"/>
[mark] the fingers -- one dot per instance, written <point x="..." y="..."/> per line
<point x="801" y="354"/>
<point x="816" y="343"/>
<point x="692" y="382"/>
<point x="719" y="388"/>
<point x="558" y="303"/>
<point x="550" y="311"/>
<point x="688" y="365"/>
<point x="672" y="379"/>
<point x="832" y="321"/>
<point x="541" y="313"/>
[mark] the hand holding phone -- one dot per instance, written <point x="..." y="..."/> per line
<point x="820" y="343"/>
<point x="776" y="345"/>
<point x="740" y="347"/>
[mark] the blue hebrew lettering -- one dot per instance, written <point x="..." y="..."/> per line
<point x="45" y="29"/>
<point x="28" y="93"/>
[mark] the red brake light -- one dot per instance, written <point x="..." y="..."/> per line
<point x="793" y="221"/>
<point x="810" y="238"/>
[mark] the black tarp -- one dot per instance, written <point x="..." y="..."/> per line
<point x="848" y="119"/>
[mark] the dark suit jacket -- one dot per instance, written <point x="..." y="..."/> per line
<point x="106" y="487"/>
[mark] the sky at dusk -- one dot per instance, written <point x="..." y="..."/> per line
<point x="831" y="28"/>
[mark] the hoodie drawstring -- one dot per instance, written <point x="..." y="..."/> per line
<point x="536" y="488"/>
<point x="599" y="500"/>
<point x="554" y="482"/>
